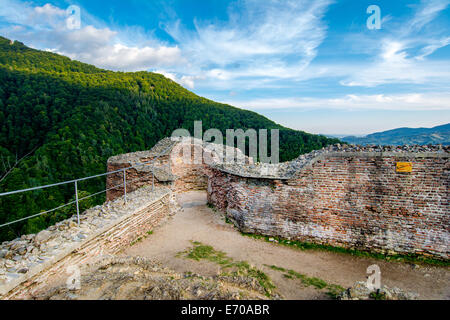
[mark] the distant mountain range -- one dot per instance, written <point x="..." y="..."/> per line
<point x="405" y="136"/>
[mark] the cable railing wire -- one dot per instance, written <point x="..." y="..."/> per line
<point x="38" y="214"/>
<point x="64" y="205"/>
<point x="85" y="178"/>
<point x="75" y="181"/>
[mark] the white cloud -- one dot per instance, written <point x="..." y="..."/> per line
<point x="96" y="46"/>
<point x="45" y="27"/>
<point x="49" y="10"/>
<point x="44" y="17"/>
<point x="186" y="81"/>
<point x="433" y="46"/>
<point x="395" y="66"/>
<point x="269" y="43"/>
<point x="406" y="102"/>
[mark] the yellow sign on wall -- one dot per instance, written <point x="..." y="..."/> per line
<point x="404" y="167"/>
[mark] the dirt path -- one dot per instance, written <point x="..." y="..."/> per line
<point x="199" y="223"/>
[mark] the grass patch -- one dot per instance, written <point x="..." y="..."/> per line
<point x="136" y="241"/>
<point x="277" y="268"/>
<point x="315" y="282"/>
<point x="332" y="290"/>
<point x="407" y="258"/>
<point x="230" y="267"/>
<point x="296" y="274"/>
<point x="377" y="296"/>
<point x="200" y="251"/>
<point x="139" y="239"/>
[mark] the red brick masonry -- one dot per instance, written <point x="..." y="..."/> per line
<point x="353" y="200"/>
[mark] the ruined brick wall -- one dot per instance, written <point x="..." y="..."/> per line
<point x="183" y="167"/>
<point x="348" y="196"/>
<point x="353" y="200"/>
<point x="186" y="176"/>
<point x="135" y="177"/>
<point x="190" y="175"/>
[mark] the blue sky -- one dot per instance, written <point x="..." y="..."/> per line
<point x="309" y="65"/>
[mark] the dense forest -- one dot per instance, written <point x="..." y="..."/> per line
<point x="61" y="119"/>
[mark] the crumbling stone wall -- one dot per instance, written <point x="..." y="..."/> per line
<point x="350" y="197"/>
<point x="103" y="230"/>
<point x="189" y="175"/>
<point x="156" y="173"/>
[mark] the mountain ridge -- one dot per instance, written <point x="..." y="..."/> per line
<point x="405" y="136"/>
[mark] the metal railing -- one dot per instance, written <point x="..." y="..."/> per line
<point x="75" y="182"/>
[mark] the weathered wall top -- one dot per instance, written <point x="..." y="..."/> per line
<point x="280" y="171"/>
<point x="167" y="148"/>
<point x="180" y="163"/>
<point x="162" y="148"/>
<point x="287" y="170"/>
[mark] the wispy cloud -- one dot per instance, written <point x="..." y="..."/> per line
<point x="259" y="40"/>
<point x="407" y="102"/>
<point x="427" y="12"/>
<point x="19" y="13"/>
<point x="401" y="55"/>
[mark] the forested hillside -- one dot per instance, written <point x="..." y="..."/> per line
<point x="61" y="119"/>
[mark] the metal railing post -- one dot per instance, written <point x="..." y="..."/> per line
<point x="125" y="184"/>
<point x="76" y="200"/>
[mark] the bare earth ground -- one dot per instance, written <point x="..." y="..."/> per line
<point x="134" y="273"/>
<point x="199" y="223"/>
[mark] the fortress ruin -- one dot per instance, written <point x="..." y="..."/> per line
<point x="379" y="199"/>
<point x="348" y="196"/>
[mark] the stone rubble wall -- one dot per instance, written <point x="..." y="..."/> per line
<point x="27" y="262"/>
<point x="346" y="196"/>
